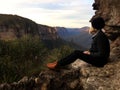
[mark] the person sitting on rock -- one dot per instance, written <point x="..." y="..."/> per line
<point x="97" y="55"/>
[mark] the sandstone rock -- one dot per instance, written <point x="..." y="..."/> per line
<point x="24" y="79"/>
<point x="61" y="80"/>
<point x="5" y="86"/>
<point x="37" y="80"/>
<point x="109" y="10"/>
<point x="105" y="78"/>
<point x="79" y="63"/>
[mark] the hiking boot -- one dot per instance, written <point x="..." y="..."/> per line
<point x="52" y="65"/>
<point x="55" y="66"/>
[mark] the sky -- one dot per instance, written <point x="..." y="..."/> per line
<point x="63" y="13"/>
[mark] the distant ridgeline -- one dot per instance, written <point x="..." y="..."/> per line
<point x="13" y="26"/>
<point x="79" y="36"/>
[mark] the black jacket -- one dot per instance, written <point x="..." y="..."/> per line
<point x="100" y="46"/>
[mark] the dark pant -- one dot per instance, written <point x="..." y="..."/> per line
<point x="77" y="54"/>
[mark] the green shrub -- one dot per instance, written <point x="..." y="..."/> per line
<point x="26" y="56"/>
<point x="20" y="57"/>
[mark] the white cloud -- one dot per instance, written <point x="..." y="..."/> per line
<point x="67" y="13"/>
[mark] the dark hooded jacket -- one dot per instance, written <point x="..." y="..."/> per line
<point x="100" y="46"/>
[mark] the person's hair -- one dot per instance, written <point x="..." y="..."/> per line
<point x="98" y="23"/>
<point x="92" y="31"/>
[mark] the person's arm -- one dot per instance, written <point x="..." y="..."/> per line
<point x="100" y="47"/>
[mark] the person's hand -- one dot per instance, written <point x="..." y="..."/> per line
<point x="86" y="52"/>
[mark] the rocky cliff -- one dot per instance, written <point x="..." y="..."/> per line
<point x="47" y="33"/>
<point x="13" y="26"/>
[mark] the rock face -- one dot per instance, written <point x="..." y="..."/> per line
<point x="47" y="33"/>
<point x="110" y="11"/>
<point x="48" y="80"/>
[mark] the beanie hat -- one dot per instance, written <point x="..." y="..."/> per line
<point x="98" y="23"/>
